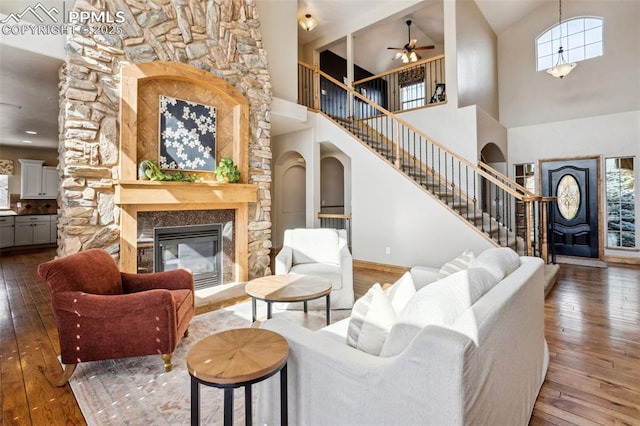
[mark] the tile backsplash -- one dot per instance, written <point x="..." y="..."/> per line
<point x="33" y="206"/>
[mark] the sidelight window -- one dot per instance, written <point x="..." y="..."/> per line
<point x="620" y="193"/>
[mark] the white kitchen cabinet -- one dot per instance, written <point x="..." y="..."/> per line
<point x="50" y="181"/>
<point x="32" y="229"/>
<point x="53" y="229"/>
<point x="38" y="181"/>
<point x="6" y="231"/>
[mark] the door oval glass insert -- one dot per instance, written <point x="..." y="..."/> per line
<point x="568" y="197"/>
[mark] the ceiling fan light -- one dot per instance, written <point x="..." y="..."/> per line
<point x="308" y="22"/>
<point x="405" y="58"/>
<point x="413" y="57"/>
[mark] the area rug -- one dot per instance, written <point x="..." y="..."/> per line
<point x="137" y="391"/>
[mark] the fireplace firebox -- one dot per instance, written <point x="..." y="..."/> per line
<point x="194" y="247"/>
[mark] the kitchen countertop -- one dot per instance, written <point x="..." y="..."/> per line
<point x="8" y="213"/>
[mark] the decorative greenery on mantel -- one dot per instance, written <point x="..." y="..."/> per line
<point x="227" y="171"/>
<point x="149" y="170"/>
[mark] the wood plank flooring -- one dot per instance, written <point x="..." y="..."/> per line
<point x="592" y="328"/>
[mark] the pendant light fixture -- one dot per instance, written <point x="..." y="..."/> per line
<point x="562" y="67"/>
<point x="308" y="22"/>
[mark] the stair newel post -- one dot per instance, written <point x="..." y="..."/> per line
<point x="316" y="87"/>
<point x="528" y="207"/>
<point x="545" y="204"/>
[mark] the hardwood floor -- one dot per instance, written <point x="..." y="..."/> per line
<point x="592" y="328"/>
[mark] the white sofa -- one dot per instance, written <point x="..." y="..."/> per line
<point x="449" y="365"/>
<point x="320" y="252"/>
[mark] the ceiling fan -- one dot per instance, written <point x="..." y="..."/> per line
<point x="408" y="52"/>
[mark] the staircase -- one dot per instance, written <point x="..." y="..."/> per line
<point x="500" y="209"/>
<point x="434" y="184"/>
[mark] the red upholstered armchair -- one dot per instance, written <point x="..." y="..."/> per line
<point x="102" y="313"/>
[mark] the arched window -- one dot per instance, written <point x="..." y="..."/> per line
<point x="580" y="39"/>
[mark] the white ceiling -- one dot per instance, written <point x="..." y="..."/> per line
<point x="28" y="98"/>
<point x="29" y="81"/>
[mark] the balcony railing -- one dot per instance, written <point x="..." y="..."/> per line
<point x="411" y="86"/>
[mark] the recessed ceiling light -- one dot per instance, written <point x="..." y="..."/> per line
<point x="31" y="132"/>
<point x="27" y="142"/>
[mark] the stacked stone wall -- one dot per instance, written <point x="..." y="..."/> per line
<point x="219" y="36"/>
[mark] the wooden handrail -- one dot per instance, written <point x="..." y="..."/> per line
<point x="333" y="216"/>
<point x="394" y="117"/>
<point x="521" y="188"/>
<point x="399" y="69"/>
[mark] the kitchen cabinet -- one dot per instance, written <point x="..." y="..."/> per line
<point x="33" y="229"/>
<point x="38" y="181"/>
<point x="6" y="231"/>
<point x="53" y="229"/>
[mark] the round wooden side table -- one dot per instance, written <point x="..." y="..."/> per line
<point x="234" y="358"/>
<point x="288" y="288"/>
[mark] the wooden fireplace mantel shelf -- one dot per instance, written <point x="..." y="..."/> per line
<point x="139" y="192"/>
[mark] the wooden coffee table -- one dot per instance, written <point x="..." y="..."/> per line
<point x="288" y="288"/>
<point x="235" y="358"/>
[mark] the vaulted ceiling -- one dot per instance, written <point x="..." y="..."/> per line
<point x="29" y="82"/>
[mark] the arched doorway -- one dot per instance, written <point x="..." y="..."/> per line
<point x="331" y="186"/>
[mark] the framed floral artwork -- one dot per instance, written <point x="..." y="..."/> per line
<point x="187" y="135"/>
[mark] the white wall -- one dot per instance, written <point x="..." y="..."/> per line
<point x="599" y="86"/>
<point x="476" y="53"/>
<point x="391" y="211"/>
<point x="281" y="44"/>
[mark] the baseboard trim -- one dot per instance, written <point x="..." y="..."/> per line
<point x="622" y="260"/>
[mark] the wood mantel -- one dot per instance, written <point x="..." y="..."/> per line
<point x="144" y="192"/>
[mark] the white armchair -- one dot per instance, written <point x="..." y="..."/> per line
<point x="320" y="252"/>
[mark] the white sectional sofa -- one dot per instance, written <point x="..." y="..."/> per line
<point x="466" y="349"/>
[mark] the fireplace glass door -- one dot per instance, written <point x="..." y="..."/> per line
<point x="197" y="248"/>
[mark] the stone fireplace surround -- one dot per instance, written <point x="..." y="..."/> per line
<point x="219" y="44"/>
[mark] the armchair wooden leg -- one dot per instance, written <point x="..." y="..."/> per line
<point x="168" y="365"/>
<point x="66" y="375"/>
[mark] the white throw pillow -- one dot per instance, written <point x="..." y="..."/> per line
<point x="440" y="303"/>
<point x="499" y="261"/>
<point x="371" y="319"/>
<point x="401" y="292"/>
<point x="458" y="264"/>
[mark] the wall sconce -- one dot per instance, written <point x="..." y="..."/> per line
<point x="308" y="23"/>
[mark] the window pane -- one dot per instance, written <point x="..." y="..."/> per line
<point x="592" y="23"/>
<point x="575" y="40"/>
<point x="620" y="192"/>
<point x="546" y="37"/>
<point x="592" y="50"/>
<point x="544" y="63"/>
<point x="575" y="26"/>
<point x="544" y="49"/>
<point x="575" y="55"/>
<point x="593" y="36"/>
<point x="4" y="191"/>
